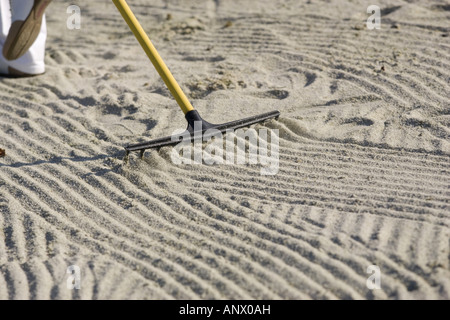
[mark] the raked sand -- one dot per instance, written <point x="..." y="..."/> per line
<point x="364" y="176"/>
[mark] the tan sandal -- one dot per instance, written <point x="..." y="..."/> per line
<point x="22" y="34"/>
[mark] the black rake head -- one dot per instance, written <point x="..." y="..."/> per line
<point x="193" y="118"/>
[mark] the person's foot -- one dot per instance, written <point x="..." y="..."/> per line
<point x="26" y="25"/>
<point x="28" y="65"/>
<point x="9" y="71"/>
<point x="31" y="63"/>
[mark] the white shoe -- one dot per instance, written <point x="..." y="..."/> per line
<point x="31" y="62"/>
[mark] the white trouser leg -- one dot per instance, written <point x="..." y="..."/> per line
<point x="32" y="62"/>
<point x="20" y="9"/>
<point x="5" y="18"/>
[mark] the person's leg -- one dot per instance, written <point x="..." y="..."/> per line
<point x="32" y="61"/>
<point x="5" y="19"/>
<point x="27" y="17"/>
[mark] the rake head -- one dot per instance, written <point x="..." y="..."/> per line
<point x="194" y="117"/>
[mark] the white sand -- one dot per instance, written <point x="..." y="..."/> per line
<point x="364" y="169"/>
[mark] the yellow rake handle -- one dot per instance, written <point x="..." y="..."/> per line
<point x="154" y="56"/>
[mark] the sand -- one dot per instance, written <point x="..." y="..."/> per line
<point x="364" y="155"/>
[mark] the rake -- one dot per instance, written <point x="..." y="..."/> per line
<point x="192" y="116"/>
